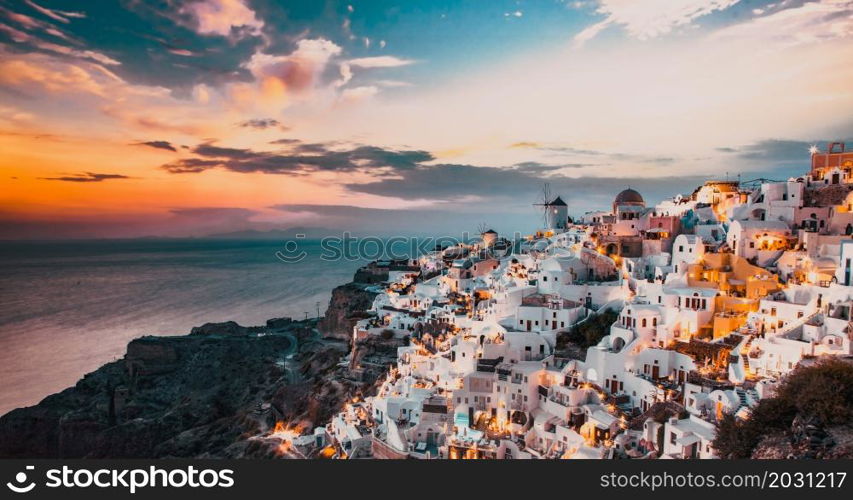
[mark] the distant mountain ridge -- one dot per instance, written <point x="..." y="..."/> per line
<point x="276" y="234"/>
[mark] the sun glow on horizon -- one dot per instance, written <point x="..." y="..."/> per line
<point x="237" y="121"/>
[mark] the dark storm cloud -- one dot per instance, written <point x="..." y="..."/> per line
<point x="781" y="150"/>
<point x="522" y="185"/>
<point x="465" y="196"/>
<point x="445" y="182"/>
<point x="299" y="159"/>
<point x="190" y="166"/>
<point x="774" y="150"/>
<point x="405" y="174"/>
<point x="398" y="160"/>
<point x="86" y="177"/>
<point x="210" y="150"/>
<point x="157" y="145"/>
<point x="310" y="148"/>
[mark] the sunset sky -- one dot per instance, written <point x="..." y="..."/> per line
<point x="189" y="117"/>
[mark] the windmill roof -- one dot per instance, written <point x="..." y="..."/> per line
<point x="558" y="202"/>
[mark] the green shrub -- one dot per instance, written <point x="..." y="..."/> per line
<point x="823" y="391"/>
<point x="590" y="332"/>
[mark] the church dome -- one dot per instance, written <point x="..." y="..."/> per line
<point x="628" y="196"/>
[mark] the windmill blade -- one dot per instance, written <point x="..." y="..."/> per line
<point x="544" y="202"/>
<point x="546" y="193"/>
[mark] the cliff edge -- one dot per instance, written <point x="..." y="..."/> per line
<point x="214" y="393"/>
<point x="348" y="304"/>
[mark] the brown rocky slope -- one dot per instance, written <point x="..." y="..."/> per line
<point x="212" y="393"/>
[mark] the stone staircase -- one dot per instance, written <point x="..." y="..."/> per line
<point x="741" y="394"/>
<point x="744" y="354"/>
<point x="748" y="397"/>
<point x="753" y="394"/>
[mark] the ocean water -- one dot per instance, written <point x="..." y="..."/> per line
<point x="66" y="308"/>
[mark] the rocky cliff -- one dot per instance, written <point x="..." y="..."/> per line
<point x="212" y="393"/>
<point x="348" y="304"/>
<point x="216" y="393"/>
<point x="807" y="440"/>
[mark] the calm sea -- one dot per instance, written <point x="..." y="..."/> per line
<point x="66" y="308"/>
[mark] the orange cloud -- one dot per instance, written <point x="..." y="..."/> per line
<point x="52" y="76"/>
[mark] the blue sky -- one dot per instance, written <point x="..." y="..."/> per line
<point x="447" y="34"/>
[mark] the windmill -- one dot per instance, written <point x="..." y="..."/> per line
<point x="481" y="232"/>
<point x="544" y="203"/>
<point x="554" y="211"/>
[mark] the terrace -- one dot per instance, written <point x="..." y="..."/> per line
<point x="550" y="301"/>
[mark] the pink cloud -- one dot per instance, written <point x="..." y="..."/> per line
<point x="379" y="62"/>
<point x="297" y="72"/>
<point x="58" y="15"/>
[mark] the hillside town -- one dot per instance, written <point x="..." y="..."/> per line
<point x="706" y="302"/>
